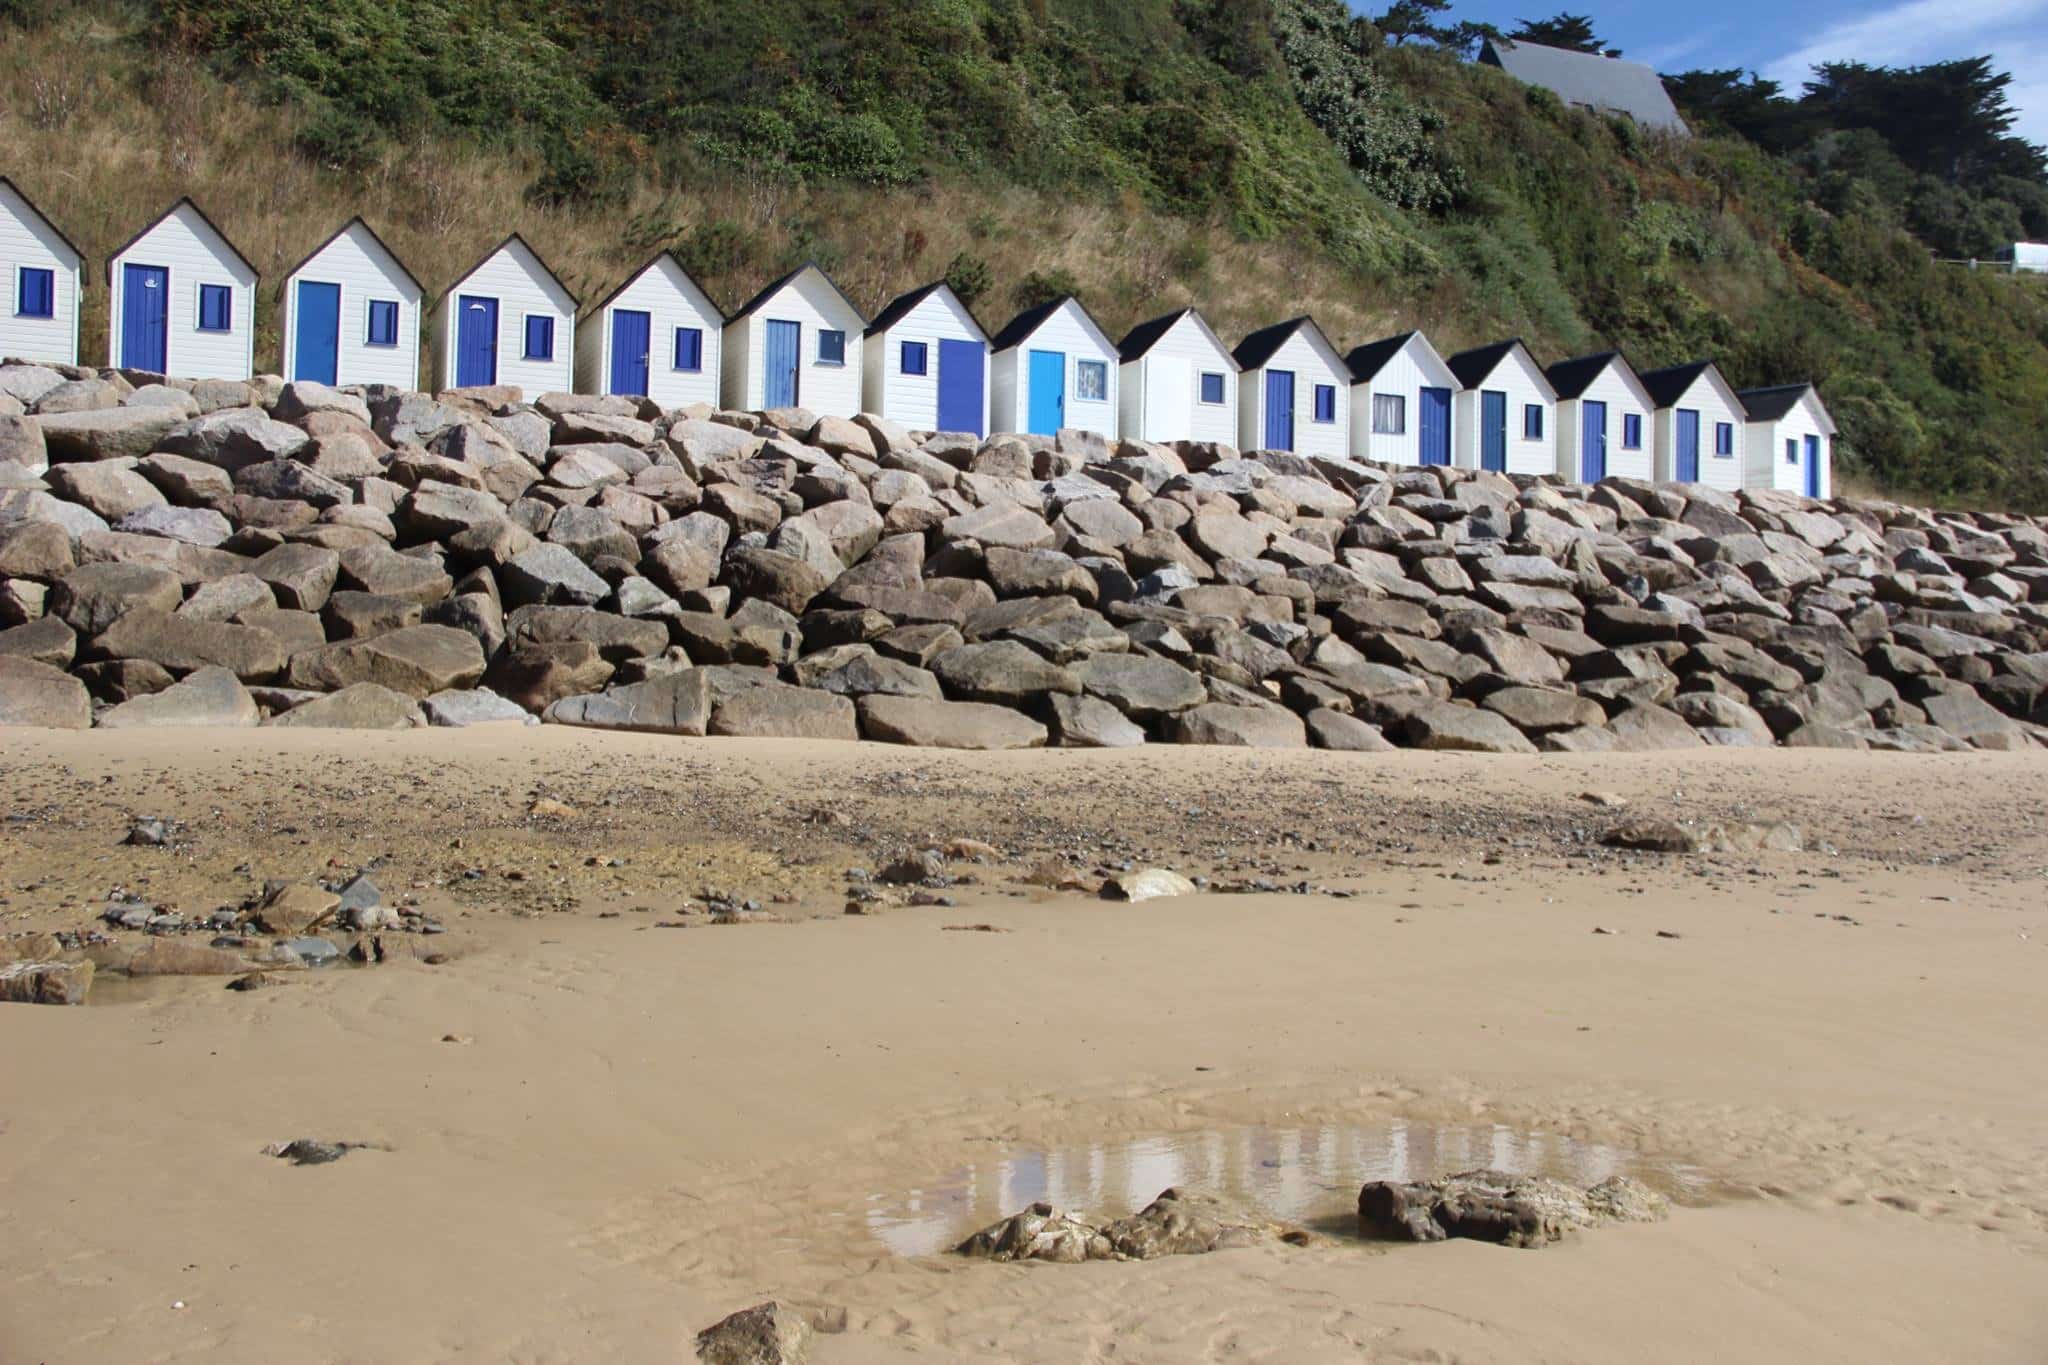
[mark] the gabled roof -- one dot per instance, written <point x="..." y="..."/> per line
<point x="46" y="220"/>
<point x="183" y="202"/>
<point x="1368" y="360"/>
<point x="341" y="231"/>
<point x="1145" y="335"/>
<point x="1258" y="348"/>
<point x="1570" y="377"/>
<point x="1019" y="329"/>
<point x="1770" y="404"/>
<point x="642" y="269"/>
<point x="1668" y="385"/>
<point x="775" y="286"/>
<point x="1608" y="84"/>
<point x="538" y="260"/>
<point x="899" y="308"/>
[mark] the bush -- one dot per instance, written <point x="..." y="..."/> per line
<point x="1043" y="286"/>
<point x="970" y="277"/>
<point x="719" y="247"/>
<point x="336" y="139"/>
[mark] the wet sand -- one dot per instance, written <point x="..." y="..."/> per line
<point x="638" y="1129"/>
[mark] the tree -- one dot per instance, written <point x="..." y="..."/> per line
<point x="1570" y="31"/>
<point x="1466" y="36"/>
<point x="1407" y="19"/>
<point x="1743" y="103"/>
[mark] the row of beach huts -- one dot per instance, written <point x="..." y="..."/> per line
<point x="182" y="303"/>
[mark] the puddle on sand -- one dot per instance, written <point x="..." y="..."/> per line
<point x="1297" y="1175"/>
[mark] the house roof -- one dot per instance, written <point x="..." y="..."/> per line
<point x="47" y="221"/>
<point x="1570" y="377"/>
<point x="1669" y="384"/>
<point x="1769" y="404"/>
<point x="1258" y="347"/>
<point x="642" y="269"/>
<point x="538" y="260"/>
<point x="769" y="290"/>
<point x="1471" y="368"/>
<point x="410" y="278"/>
<point x="1145" y="335"/>
<point x="1368" y="360"/>
<point x="899" y="308"/>
<point x="151" y="225"/>
<point x="1608" y="84"/>
<point x="1018" y="329"/>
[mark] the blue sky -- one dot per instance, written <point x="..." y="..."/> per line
<point x="1783" y="40"/>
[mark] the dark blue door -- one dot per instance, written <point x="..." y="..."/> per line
<point x="1493" y="431"/>
<point x="1688" y="461"/>
<point x="963" y="371"/>
<point x="1593" y="443"/>
<point x="316" y="352"/>
<point x="1279" y="409"/>
<point x="630" y="334"/>
<point x="1048" y="405"/>
<point x="1813" y="466"/>
<point x="145" y="316"/>
<point x="780" y="353"/>
<point x="476" y="341"/>
<point x="1436" y="426"/>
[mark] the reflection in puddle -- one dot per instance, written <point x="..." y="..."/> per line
<point x="1290" y="1174"/>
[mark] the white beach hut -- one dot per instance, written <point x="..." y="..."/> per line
<point x="1177" y="382"/>
<point x="796" y="344"/>
<point x="657" y="336"/>
<point x="181" y="300"/>
<point x="351" y="313"/>
<point x="1053" y="367"/>
<point x="1790" y="439"/>
<point x="1401" y="401"/>
<point x="1293" y="391"/>
<point x="1698" y="423"/>
<point x="924" y="363"/>
<point x="506" y="320"/>
<point x="42" y="278"/>
<point x="1603" y="419"/>
<point x="1504" y="413"/>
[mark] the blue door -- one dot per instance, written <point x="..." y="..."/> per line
<point x="1593" y="443"/>
<point x="476" y="341"/>
<point x="1436" y="426"/>
<point x="316" y="352"/>
<point x="1688" y="462"/>
<point x="1279" y="409"/>
<point x="963" y="371"/>
<point x="1048" y="393"/>
<point x="780" y="353"/>
<point x="1493" y="430"/>
<point x="631" y="332"/>
<point x="145" y="317"/>
<point x="1813" y="466"/>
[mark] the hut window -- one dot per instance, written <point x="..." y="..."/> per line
<point x="1212" y="387"/>
<point x="35" y="294"/>
<point x="831" y="347"/>
<point x="1326" y="403"/>
<point x="1091" y="380"/>
<point x="216" y="308"/>
<point x="1532" y="422"/>
<point x="383" y="323"/>
<point x="914" y="357"/>
<point x="1389" y="414"/>
<point x="1791" y="450"/>
<point x="540" y="337"/>
<point x="1631" y="431"/>
<point x="1724" y="438"/>
<point x="689" y="349"/>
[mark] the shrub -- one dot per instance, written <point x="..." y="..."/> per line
<point x="1043" y="286"/>
<point x="970" y="277"/>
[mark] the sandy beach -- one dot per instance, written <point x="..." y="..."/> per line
<point x="602" y="1122"/>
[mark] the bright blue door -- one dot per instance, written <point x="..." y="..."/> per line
<point x="1493" y="430"/>
<point x="963" y="371"/>
<point x="1048" y="393"/>
<point x="1813" y="466"/>
<point x="1279" y="409"/>
<point x="145" y="316"/>
<point x="1593" y="443"/>
<point x="780" y="353"/>
<point x="631" y="332"/>
<point x="476" y="341"/>
<point x="316" y="352"/>
<point x="1436" y="426"/>
<point x="1688" y="462"/>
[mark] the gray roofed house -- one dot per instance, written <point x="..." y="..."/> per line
<point x="1589" y="80"/>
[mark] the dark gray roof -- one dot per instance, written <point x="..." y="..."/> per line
<point x="899" y="307"/>
<point x="1608" y="84"/>
<point x="1368" y="360"/>
<point x="1019" y="329"/>
<point x="1570" y="377"/>
<point x="1258" y="347"/>
<point x="1668" y="385"/>
<point x="1768" y="405"/>
<point x="1145" y="335"/>
<point x="1474" y="365"/>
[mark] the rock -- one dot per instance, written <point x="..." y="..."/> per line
<point x="289" y="909"/>
<point x="766" y="1334"/>
<point x="166" y="956"/>
<point x="1004" y="524"/>
<point x="929" y="723"/>
<point x="360" y="706"/>
<point x="200" y="526"/>
<point x="1146" y="884"/>
<point x="551" y="574"/>
<point x="1537" y="709"/>
<point x="1334" y="730"/>
<point x="536" y="676"/>
<point x="109" y="433"/>
<point x="182" y="645"/>
<point x="45" y="983"/>
<point x="460" y="707"/>
<point x="35" y="549"/>
<point x="94" y="596"/>
<point x="301" y="576"/>
<point x="208" y="696"/>
<point x="1090" y="723"/>
<point x="1002" y="672"/>
<point x="1039" y="1233"/>
<point x="417" y="661"/>
<point x="45" y="640"/>
<point x="1139" y="685"/>
<point x="1440" y="725"/>
<point x="1184" y="1223"/>
<point x="1256" y="727"/>
<point x="1652" y="836"/>
<point x="109" y="489"/>
<point x="774" y="577"/>
<point x="230" y="439"/>
<point x="778" y="711"/>
<point x="1644" y="727"/>
<point x="1490" y="1206"/>
<point x="676" y="703"/>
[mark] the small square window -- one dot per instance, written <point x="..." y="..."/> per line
<point x="1389" y="414"/>
<point x="1631" y="431"/>
<point x="689" y="349"/>
<point x="831" y="347"/>
<point x="1212" y="387"/>
<point x="35" y="293"/>
<point x="1091" y="381"/>
<point x="1326" y="403"/>
<point x="1724" y="438"/>
<point x="540" y="337"/>
<point x="1532" y="422"/>
<point x="383" y="330"/>
<point x="914" y="357"/>
<point x="1791" y="450"/>
<point x="216" y="308"/>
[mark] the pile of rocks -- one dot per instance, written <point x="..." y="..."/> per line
<point x="176" y="553"/>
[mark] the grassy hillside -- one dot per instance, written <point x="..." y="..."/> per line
<point x="1258" y="157"/>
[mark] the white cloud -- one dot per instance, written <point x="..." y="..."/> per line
<point x="1667" y="56"/>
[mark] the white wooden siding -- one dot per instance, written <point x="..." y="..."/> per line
<point x="739" y="384"/>
<point x="1311" y="363"/>
<point x="913" y="399"/>
<point x="26" y="240"/>
<point x="1068" y="331"/>
<point x="1415" y="367"/>
<point x="1188" y="346"/>
<point x="1764" y="461"/>
<point x="194" y="254"/>
<point x="1516" y="376"/>
<point x="813" y="304"/>
<point x="665" y="292"/>
<point x="515" y="277"/>
<point x="1623" y="395"/>
<point x="1716" y="404"/>
<point x="367" y="273"/>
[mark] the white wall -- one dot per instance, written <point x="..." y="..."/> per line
<point x="195" y="254"/>
<point x="515" y="277"/>
<point x="1413" y="368"/>
<point x="810" y="301"/>
<point x="366" y="272"/>
<point x="1764" y="459"/>
<point x="1311" y="364"/>
<point x="1516" y="376"/>
<point x="666" y="294"/>
<point x="26" y="240"/>
<point x="913" y="399"/>
<point x="1176" y="364"/>
<point x="1066" y="330"/>
<point x="1715" y="403"/>
<point x="1616" y="389"/>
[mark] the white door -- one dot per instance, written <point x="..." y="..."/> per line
<point x="1169" y="399"/>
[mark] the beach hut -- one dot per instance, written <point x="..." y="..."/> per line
<point x="506" y="320"/>
<point x="1176" y="381"/>
<point x="181" y="300"/>
<point x="1697" y="425"/>
<point x="42" y="277"/>
<point x="1401" y="394"/>
<point x="1603" y="419"/>
<point x="1053" y="368"/>
<point x="1293" y="391"/>
<point x="924" y="363"/>
<point x="1790" y="440"/>
<point x="656" y="336"/>
<point x="1504" y="413"/>
<point x="796" y="344"/>
<point x="351" y="313"/>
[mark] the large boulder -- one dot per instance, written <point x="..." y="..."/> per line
<point x="1003" y="672"/>
<point x="933" y="724"/>
<point x="231" y="438"/>
<point x="36" y="694"/>
<point x="1140" y="685"/>
<point x="360" y="706"/>
<point x="536" y="676"/>
<point x="111" y="490"/>
<point x="778" y="711"/>
<point x="551" y="574"/>
<point x="1086" y="722"/>
<point x="35" y="549"/>
<point x="774" y="577"/>
<point x="301" y="576"/>
<point x="183" y="644"/>
<point x="208" y="696"/>
<point x="1440" y="725"/>
<point x="1256" y="727"/>
<point x="94" y="596"/>
<point x="109" y="433"/>
<point x="676" y="703"/>
<point x="417" y="661"/>
<point x="1003" y="523"/>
